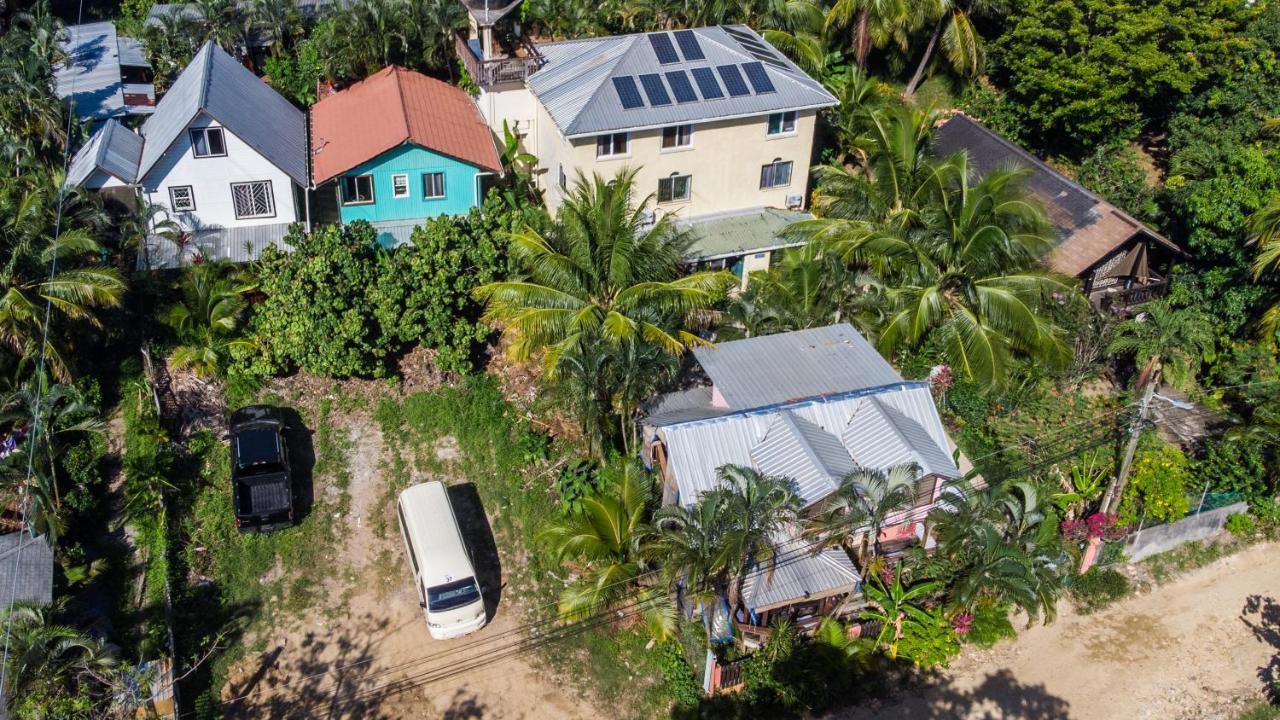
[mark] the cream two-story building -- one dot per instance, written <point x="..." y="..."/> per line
<point x="718" y="124"/>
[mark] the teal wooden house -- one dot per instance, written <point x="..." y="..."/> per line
<point x="399" y="148"/>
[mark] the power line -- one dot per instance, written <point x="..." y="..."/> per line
<point x="40" y="381"/>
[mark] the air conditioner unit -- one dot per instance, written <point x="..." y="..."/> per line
<point x="795" y="202"/>
<point x="647" y="218"/>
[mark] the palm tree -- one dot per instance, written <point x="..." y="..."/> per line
<point x="601" y="278"/>
<point x="278" y="20"/>
<point x="855" y="514"/>
<point x="207" y="319"/>
<point x="895" y="605"/>
<point x="1264" y="229"/>
<point x="609" y="536"/>
<point x="52" y="665"/>
<point x="1166" y="342"/>
<point x="961" y="44"/>
<point x="875" y="22"/>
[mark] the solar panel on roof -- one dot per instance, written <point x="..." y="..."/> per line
<point x="689" y="46"/>
<point x="733" y="80"/>
<point x="738" y="34"/>
<point x="628" y="94"/>
<point x="707" y="83"/>
<point x="758" y="78"/>
<point x="663" y="48"/>
<point x="655" y="90"/>
<point x="681" y="87"/>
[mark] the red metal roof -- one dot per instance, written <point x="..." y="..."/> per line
<point x="393" y="107"/>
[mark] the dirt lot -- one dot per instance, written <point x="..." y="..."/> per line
<point x="1190" y="649"/>
<point x="364" y="651"/>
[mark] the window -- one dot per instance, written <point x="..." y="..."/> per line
<point x="253" y="199"/>
<point x="357" y="189"/>
<point x="612" y="145"/>
<point x="208" y="142"/>
<point x="775" y="174"/>
<point x="182" y="199"/>
<point x="564" y="179"/>
<point x="674" y="188"/>
<point x="677" y="136"/>
<point x="782" y="123"/>
<point x="400" y="186"/>
<point x="433" y="185"/>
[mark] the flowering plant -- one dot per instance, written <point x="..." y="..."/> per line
<point x="962" y="623"/>
<point x="1097" y="525"/>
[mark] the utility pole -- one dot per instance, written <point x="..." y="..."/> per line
<point x="1115" y="491"/>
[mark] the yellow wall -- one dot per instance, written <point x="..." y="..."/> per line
<point x="724" y="161"/>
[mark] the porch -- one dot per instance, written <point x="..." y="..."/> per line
<point x="510" y="61"/>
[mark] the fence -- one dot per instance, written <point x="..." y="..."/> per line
<point x="1209" y="515"/>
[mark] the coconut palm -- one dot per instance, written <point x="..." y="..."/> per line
<point x="1166" y="342"/>
<point x="601" y="278"/>
<point x="854" y="516"/>
<point x="52" y="668"/>
<point x="961" y="44"/>
<point x="875" y="23"/>
<point x="1264" y="229"/>
<point x="608" y="537"/>
<point x="207" y="319"/>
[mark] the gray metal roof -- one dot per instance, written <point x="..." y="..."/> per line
<point x="26" y="569"/>
<point x="92" y="75"/>
<point x="696" y="448"/>
<point x="237" y="244"/>
<point x="576" y="82"/>
<point x="793" y="366"/>
<point x="798" y="575"/>
<point x="881" y="436"/>
<point x="218" y="85"/>
<point x="113" y="149"/>
<point x="740" y="232"/>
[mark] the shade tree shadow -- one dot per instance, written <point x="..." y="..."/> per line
<point x="465" y="706"/>
<point x="1261" y="614"/>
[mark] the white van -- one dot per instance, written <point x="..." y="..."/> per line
<point x="440" y="561"/>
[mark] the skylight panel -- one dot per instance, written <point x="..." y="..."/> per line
<point x="689" y="46"/>
<point x="681" y="87"/>
<point x="628" y="94"/>
<point x="733" y="81"/>
<point x="707" y="83"/>
<point x="663" y="48"/>
<point x="655" y="90"/>
<point x="759" y="78"/>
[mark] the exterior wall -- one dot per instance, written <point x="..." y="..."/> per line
<point x="459" y="186"/>
<point x="516" y="106"/>
<point x="724" y="161"/>
<point x="99" y="180"/>
<point x="1162" y="538"/>
<point x="211" y="178"/>
<point x="554" y="153"/>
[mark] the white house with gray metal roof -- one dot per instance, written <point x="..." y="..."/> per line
<point x="811" y="406"/>
<point x="715" y="121"/>
<point x="105" y="75"/>
<point x="224" y="156"/>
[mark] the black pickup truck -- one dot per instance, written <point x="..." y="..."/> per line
<point x="261" y="484"/>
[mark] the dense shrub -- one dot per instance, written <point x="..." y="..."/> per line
<point x="1234" y="466"/>
<point x="681" y="683"/>
<point x="1115" y="172"/>
<point x="989" y="625"/>
<point x="1242" y="525"/>
<point x="1158" y="486"/>
<point x="1098" y="588"/>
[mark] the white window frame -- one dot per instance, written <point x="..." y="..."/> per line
<point x="688" y="188"/>
<point x="685" y="130"/>
<point x="204" y="133"/>
<point x="342" y="189"/>
<point x="611" y="140"/>
<point x="783" y="118"/>
<point x="400" y="185"/>
<point x="271" y="200"/>
<point x="777" y="162"/>
<point x="191" y="199"/>
<point x="443" y="191"/>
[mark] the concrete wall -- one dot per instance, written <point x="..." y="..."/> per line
<point x="210" y="179"/>
<point x="1162" y="538"/>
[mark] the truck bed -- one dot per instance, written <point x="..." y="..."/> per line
<point x="266" y="494"/>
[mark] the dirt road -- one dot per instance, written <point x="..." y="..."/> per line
<point x="1190" y="649"/>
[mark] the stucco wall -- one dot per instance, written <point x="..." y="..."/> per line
<point x="210" y="179"/>
<point x="414" y="161"/>
<point x="1162" y="538"/>
<point x="724" y="161"/>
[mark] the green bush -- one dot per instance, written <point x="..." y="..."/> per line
<point x="681" y="683"/>
<point x="1115" y="172"/>
<point x="1234" y="466"/>
<point x="578" y="481"/>
<point x="990" y="625"/>
<point x="1158" y="486"/>
<point x="1098" y="588"/>
<point x="1242" y="525"/>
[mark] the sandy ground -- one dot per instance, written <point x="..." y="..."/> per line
<point x="1193" y="648"/>
<point x="365" y="653"/>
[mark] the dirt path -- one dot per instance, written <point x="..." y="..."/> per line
<point x="365" y="651"/>
<point x="1190" y="649"/>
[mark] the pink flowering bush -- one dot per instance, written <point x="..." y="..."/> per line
<point x="1096" y="526"/>
<point x="962" y="623"/>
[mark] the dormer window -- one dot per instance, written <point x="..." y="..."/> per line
<point x="208" y="142"/>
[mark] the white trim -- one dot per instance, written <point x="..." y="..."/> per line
<point x="395" y="191"/>
<point x="693" y="121"/>
<point x="342" y="190"/>
<point x="675" y="148"/>
<point x="443" y="189"/>
<point x="613" y="146"/>
<point x="271" y="200"/>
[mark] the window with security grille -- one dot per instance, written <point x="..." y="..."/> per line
<point x="253" y="199"/>
<point x="674" y="188"/>
<point x="433" y="185"/>
<point x="775" y="174"/>
<point x="182" y="199"/>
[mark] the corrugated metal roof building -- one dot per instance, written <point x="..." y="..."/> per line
<point x="26" y="569"/>
<point x="111" y="156"/>
<point x="105" y="75"/>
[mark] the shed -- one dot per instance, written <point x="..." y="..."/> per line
<point x="26" y="569"/>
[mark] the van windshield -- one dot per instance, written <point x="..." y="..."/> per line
<point x="452" y="595"/>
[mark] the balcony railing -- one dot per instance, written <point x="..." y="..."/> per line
<point x="1122" y="301"/>
<point x="488" y="73"/>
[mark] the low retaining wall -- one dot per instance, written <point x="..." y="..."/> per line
<point x="1161" y="538"/>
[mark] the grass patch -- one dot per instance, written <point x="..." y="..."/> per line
<point x="1260" y="711"/>
<point x="1098" y="588"/>
<point x="1168" y="565"/>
